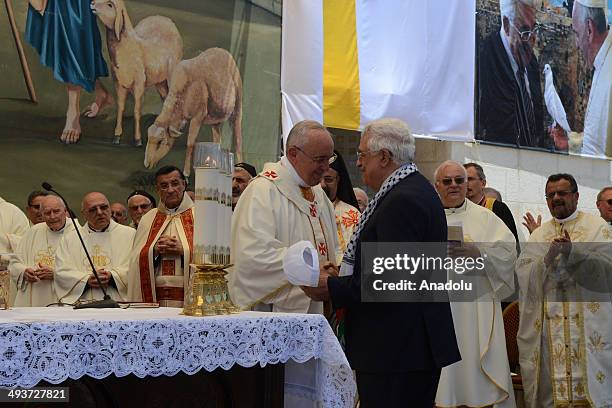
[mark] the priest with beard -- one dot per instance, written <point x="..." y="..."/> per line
<point x="163" y="246"/>
<point x="33" y="267"/>
<point x="565" y="328"/>
<point x="337" y="185"/>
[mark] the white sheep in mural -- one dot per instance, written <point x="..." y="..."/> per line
<point x="207" y="90"/>
<point x="141" y="56"/>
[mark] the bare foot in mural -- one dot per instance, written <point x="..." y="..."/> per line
<point x="103" y="100"/>
<point x="72" y="130"/>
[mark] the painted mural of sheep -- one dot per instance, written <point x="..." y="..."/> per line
<point x="141" y="56"/>
<point x="207" y="90"/>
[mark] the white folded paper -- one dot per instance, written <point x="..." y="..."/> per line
<point x="301" y="264"/>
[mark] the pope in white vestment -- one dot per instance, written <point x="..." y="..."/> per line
<point x="36" y="249"/>
<point x="163" y="278"/>
<point x="597" y="137"/>
<point x="109" y="250"/>
<point x="278" y="209"/>
<point x="566" y="346"/>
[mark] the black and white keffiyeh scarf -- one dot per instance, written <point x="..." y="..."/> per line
<point x="348" y="261"/>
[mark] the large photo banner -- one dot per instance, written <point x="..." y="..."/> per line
<point x="346" y="63"/>
<point x="116" y="89"/>
<point x="544" y="75"/>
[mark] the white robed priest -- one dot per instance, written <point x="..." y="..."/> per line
<point x="109" y="244"/>
<point x="33" y="267"/>
<point x="565" y="333"/>
<point x="13" y="224"/>
<point x="482" y="377"/>
<point x="163" y="246"/>
<point x="284" y="207"/>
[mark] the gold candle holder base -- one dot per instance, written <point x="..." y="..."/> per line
<point x="207" y="294"/>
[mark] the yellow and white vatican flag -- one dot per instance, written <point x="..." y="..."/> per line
<point x="348" y="62"/>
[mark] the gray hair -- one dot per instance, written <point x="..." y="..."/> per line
<point x="508" y="8"/>
<point x="52" y="196"/>
<point x="298" y="134"/>
<point x="603" y="190"/>
<point x="596" y="14"/>
<point x="392" y="135"/>
<point x="446" y="164"/>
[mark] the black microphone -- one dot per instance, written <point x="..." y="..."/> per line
<point x="107" y="302"/>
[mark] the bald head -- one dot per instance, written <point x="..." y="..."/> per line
<point x="96" y="210"/>
<point x="53" y="212"/>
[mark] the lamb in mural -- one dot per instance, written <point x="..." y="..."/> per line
<point x="141" y="56"/>
<point x="207" y="90"/>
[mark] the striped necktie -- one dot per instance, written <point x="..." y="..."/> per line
<point x="525" y="117"/>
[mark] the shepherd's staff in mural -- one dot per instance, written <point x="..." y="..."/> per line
<point x="66" y="36"/>
<point x="141" y="57"/>
<point x="207" y="90"/>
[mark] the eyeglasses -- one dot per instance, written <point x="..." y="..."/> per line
<point x="141" y="206"/>
<point x="562" y="193"/>
<point x="608" y="201"/>
<point x="526" y="35"/>
<point x="319" y="160"/>
<point x="93" y="210"/>
<point x="361" y="155"/>
<point x="449" y="180"/>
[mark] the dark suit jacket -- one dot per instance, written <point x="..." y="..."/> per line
<point x="498" y="91"/>
<point x="398" y="337"/>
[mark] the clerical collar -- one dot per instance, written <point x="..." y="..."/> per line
<point x="568" y="219"/>
<point x="61" y="229"/>
<point x="460" y="208"/>
<point x="102" y="230"/>
<point x="294" y="175"/>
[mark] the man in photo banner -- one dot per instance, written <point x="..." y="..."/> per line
<point x="592" y="39"/>
<point x="510" y="104"/>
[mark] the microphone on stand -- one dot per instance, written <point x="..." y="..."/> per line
<point x="107" y="302"/>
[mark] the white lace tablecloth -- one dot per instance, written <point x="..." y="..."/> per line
<point x="54" y="344"/>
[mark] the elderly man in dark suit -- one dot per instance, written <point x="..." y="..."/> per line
<point x="509" y="101"/>
<point x="397" y="349"/>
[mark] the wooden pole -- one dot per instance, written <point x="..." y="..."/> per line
<point x="22" y="57"/>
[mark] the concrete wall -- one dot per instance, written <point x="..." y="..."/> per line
<point x="520" y="175"/>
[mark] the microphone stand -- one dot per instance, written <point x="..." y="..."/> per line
<point x="105" y="303"/>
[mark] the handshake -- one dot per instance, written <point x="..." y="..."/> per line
<point x="320" y="292"/>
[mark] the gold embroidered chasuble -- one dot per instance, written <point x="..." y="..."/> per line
<point x="37" y="247"/>
<point x="164" y="279"/>
<point x="566" y="346"/>
<point x="109" y="250"/>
